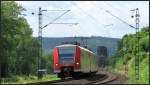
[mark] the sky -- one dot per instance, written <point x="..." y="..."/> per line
<point x="91" y="16"/>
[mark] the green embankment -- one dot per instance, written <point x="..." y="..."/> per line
<point x="19" y="50"/>
<point x="124" y="60"/>
<point x="47" y="63"/>
<point x="28" y="79"/>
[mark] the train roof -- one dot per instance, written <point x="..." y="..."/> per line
<point x="72" y="45"/>
<point x="86" y="49"/>
<point x="66" y="45"/>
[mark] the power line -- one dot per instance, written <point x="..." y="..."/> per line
<point x="56" y="19"/>
<point x="86" y="13"/>
<point x="45" y="14"/>
<point x="120" y="19"/>
<point x="41" y="27"/>
<point x="34" y="13"/>
<point x="137" y="60"/>
<point x="112" y="6"/>
<point x="65" y="23"/>
<point x="117" y="17"/>
<point x="99" y="8"/>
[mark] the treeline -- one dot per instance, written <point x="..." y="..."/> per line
<point x="18" y="49"/>
<point x="47" y="62"/>
<point x="124" y="59"/>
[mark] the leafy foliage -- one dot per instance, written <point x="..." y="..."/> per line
<point x="19" y="50"/>
<point x="49" y="62"/>
<point x="127" y="52"/>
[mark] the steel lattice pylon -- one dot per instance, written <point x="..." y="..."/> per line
<point x="137" y="59"/>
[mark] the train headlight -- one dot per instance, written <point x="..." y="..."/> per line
<point x="56" y="64"/>
<point x="77" y="63"/>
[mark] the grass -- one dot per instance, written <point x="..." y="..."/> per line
<point x="144" y="73"/>
<point x="144" y="70"/>
<point x="28" y="79"/>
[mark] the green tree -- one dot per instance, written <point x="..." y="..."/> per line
<point x="19" y="50"/>
<point x="126" y="54"/>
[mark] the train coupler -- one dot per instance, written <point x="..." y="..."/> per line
<point x="67" y="74"/>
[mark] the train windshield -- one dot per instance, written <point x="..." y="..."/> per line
<point x="66" y="55"/>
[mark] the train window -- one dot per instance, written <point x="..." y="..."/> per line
<point x="66" y="55"/>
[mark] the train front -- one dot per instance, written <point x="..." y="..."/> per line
<point x="66" y="60"/>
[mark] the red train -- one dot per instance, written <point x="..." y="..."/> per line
<point x="72" y="60"/>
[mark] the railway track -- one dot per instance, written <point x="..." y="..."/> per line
<point x="85" y="80"/>
<point x="99" y="78"/>
<point x="111" y="77"/>
<point x="102" y="77"/>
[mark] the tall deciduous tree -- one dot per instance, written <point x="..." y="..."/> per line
<point x="19" y="50"/>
